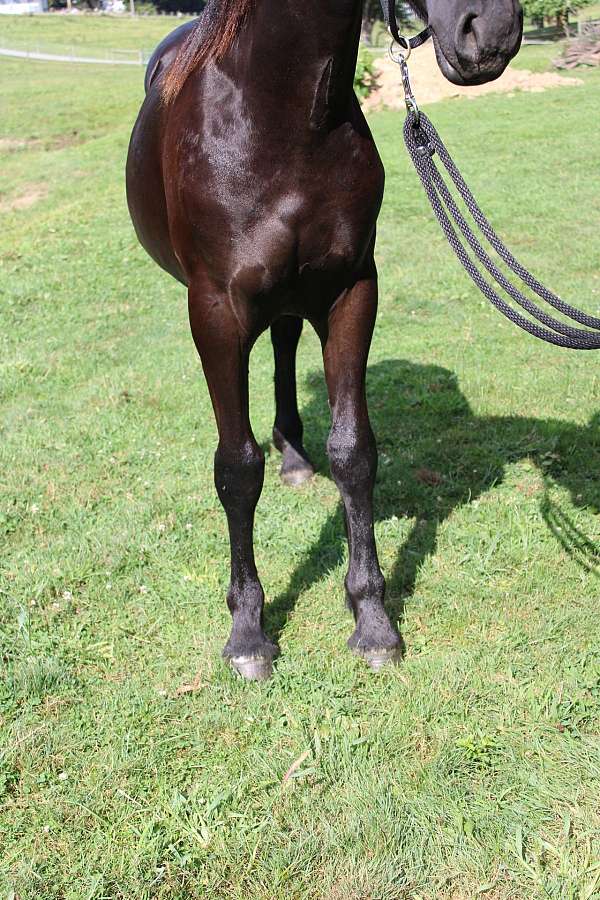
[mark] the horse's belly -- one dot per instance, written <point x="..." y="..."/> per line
<point x="145" y="190"/>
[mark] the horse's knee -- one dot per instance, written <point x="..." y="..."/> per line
<point x="352" y="455"/>
<point x="239" y="474"/>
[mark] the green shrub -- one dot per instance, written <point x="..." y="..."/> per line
<point x="364" y="77"/>
<point x="380" y="36"/>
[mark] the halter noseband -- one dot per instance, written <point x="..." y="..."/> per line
<point x="389" y="14"/>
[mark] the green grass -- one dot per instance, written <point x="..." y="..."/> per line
<point x="473" y="770"/>
<point x="590" y="12"/>
<point x="86" y="32"/>
<point x="540" y="57"/>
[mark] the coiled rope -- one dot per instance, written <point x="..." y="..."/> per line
<point x="424" y="144"/>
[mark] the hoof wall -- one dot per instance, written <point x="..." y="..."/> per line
<point x="296" y="477"/>
<point x="252" y="668"/>
<point x="378" y="659"/>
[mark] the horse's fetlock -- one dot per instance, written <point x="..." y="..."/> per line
<point x="247" y="597"/>
<point x="289" y="430"/>
<point x="361" y="586"/>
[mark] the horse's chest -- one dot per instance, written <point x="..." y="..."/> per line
<point x="279" y="215"/>
<point x="304" y="239"/>
<point x="326" y="214"/>
<point x="344" y="196"/>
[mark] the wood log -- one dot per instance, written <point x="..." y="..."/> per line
<point x="582" y="52"/>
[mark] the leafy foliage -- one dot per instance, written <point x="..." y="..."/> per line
<point x="374" y="30"/>
<point x="188" y="7"/>
<point x="365" y="76"/>
<point x="552" y="9"/>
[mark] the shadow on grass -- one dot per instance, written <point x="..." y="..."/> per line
<point x="435" y="456"/>
<point x="549" y="33"/>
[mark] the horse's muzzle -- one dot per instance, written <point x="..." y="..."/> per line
<point x="475" y="46"/>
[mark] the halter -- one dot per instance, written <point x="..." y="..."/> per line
<point x="406" y="45"/>
<point x="389" y="14"/>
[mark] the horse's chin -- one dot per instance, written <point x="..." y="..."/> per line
<point x="451" y="73"/>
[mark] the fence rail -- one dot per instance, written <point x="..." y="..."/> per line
<point x="93" y="55"/>
<point x="588" y="27"/>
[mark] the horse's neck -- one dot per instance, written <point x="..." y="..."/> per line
<point x="307" y="52"/>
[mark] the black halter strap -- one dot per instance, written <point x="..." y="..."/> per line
<point x="389" y="14"/>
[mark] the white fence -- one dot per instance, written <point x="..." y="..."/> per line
<point x="588" y="27"/>
<point x="21" y="7"/>
<point x="72" y="54"/>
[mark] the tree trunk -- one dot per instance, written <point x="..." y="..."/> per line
<point x="562" y="21"/>
<point x="367" y="22"/>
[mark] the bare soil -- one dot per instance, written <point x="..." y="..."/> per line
<point x="429" y="85"/>
<point x="29" y="196"/>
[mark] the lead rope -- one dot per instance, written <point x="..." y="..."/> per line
<point x="423" y="143"/>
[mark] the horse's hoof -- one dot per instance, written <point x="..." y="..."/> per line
<point x="297" y="476"/>
<point x="379" y="659"/>
<point x="253" y="668"/>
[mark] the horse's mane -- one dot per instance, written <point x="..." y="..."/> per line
<point x="211" y="38"/>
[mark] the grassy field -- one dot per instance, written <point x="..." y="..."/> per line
<point x="86" y="32"/>
<point x="539" y="57"/>
<point x="133" y="764"/>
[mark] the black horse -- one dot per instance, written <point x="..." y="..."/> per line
<point x="253" y="179"/>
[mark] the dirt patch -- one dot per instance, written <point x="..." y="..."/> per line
<point x="429" y="85"/>
<point x="29" y="196"/>
<point x="64" y="140"/>
<point x="11" y="145"/>
<point x="16" y="145"/>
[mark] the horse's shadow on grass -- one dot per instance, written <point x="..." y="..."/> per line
<point x="435" y="456"/>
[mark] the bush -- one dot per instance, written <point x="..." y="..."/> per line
<point x="364" y="77"/>
<point x="380" y="36"/>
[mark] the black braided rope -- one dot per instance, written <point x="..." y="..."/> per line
<point x="422" y="141"/>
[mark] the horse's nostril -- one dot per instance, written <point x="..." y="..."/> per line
<point x="467" y="38"/>
<point x="467" y="23"/>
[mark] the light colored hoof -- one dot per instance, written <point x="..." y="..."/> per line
<point x="253" y="668"/>
<point x="379" y="659"/>
<point x="296" y="477"/>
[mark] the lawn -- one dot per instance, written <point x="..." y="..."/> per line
<point x="86" y="33"/>
<point x="539" y="57"/>
<point x="133" y="763"/>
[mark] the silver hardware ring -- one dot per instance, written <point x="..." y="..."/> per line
<point x="401" y="55"/>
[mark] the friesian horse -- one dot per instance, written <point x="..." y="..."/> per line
<point x="253" y="178"/>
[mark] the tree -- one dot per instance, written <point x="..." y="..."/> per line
<point x="372" y="13"/>
<point x="184" y="6"/>
<point x="558" y="10"/>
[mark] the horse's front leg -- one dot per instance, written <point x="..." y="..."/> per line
<point x="224" y="349"/>
<point x="353" y="459"/>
